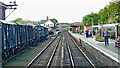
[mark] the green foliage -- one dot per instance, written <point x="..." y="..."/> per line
<point x="64" y="23"/>
<point x="98" y="38"/>
<point x="54" y="20"/>
<point x="105" y="15"/>
<point x="20" y="20"/>
<point x="87" y="19"/>
<point x="65" y="28"/>
<point x="81" y="27"/>
<point x="77" y="31"/>
<point x="38" y="23"/>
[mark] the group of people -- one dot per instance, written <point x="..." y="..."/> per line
<point x="89" y="34"/>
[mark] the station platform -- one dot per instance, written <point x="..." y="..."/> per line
<point x="109" y="50"/>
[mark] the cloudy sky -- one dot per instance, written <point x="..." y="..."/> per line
<point x="63" y="10"/>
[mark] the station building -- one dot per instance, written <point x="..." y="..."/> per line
<point x="76" y="26"/>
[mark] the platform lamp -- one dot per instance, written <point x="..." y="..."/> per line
<point x="92" y="26"/>
<point x="116" y="17"/>
<point x="102" y="31"/>
<point x="85" y="26"/>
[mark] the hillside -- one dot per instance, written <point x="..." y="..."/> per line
<point x="105" y="15"/>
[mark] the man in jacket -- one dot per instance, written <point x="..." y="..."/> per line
<point x="106" y="37"/>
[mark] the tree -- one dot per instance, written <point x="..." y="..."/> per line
<point x="54" y="20"/>
<point x="87" y="19"/>
<point x="105" y="15"/>
<point x="20" y="20"/>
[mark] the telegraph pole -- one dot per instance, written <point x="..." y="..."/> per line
<point x="12" y="5"/>
<point x="3" y="7"/>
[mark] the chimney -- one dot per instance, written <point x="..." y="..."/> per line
<point x="47" y="18"/>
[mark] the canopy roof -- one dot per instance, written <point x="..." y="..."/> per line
<point x="75" y="24"/>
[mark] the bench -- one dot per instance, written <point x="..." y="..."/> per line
<point x="117" y="44"/>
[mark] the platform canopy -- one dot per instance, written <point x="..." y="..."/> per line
<point x="76" y="24"/>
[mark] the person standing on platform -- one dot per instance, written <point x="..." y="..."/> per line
<point x="86" y="33"/>
<point x="90" y="33"/>
<point x="106" y="37"/>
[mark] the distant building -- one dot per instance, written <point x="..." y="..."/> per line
<point x="48" y="24"/>
<point x="2" y="11"/>
<point x="76" y="26"/>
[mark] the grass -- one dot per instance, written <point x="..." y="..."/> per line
<point x="98" y="38"/>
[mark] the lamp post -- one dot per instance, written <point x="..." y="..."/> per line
<point x="116" y="17"/>
<point x="102" y="31"/>
<point x="99" y="29"/>
<point x="85" y="26"/>
<point x="92" y="26"/>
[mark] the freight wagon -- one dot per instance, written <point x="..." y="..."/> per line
<point x="15" y="37"/>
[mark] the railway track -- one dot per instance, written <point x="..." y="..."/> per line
<point x="63" y="51"/>
<point x="77" y="57"/>
<point x="56" y="62"/>
<point x="45" y="57"/>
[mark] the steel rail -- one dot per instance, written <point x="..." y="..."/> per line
<point x="70" y="54"/>
<point x="53" y="54"/>
<point x="30" y="63"/>
<point x="83" y="53"/>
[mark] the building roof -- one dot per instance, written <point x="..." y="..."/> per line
<point x="31" y="23"/>
<point x="7" y="22"/>
<point x="49" y="21"/>
<point x="75" y="24"/>
<point x="62" y="25"/>
<point x="43" y="21"/>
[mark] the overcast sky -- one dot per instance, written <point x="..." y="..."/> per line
<point x="63" y="10"/>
